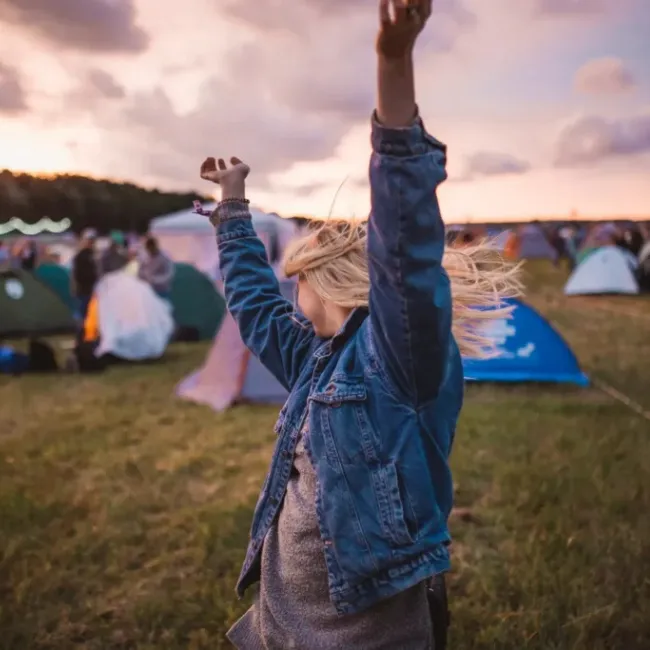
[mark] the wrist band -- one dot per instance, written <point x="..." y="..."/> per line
<point x="233" y="200"/>
<point x="216" y="219"/>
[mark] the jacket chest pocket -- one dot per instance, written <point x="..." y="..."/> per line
<point x="341" y="413"/>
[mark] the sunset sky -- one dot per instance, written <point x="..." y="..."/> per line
<point x="544" y="104"/>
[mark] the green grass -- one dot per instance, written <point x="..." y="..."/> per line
<point x="124" y="512"/>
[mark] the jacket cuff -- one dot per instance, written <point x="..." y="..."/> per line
<point x="234" y="221"/>
<point x="412" y="140"/>
<point x="231" y="209"/>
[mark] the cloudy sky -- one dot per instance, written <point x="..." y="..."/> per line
<point x="544" y="104"/>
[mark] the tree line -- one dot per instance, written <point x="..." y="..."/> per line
<point x="87" y="202"/>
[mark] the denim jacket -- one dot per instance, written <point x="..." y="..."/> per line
<point x="382" y="396"/>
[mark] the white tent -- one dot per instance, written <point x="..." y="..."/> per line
<point x="190" y="238"/>
<point x="607" y="270"/>
<point x="134" y="323"/>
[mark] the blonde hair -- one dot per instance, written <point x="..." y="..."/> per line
<point x="332" y="258"/>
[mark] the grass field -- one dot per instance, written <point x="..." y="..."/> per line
<point x="124" y="513"/>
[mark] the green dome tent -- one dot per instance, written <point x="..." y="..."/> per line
<point x="30" y="308"/>
<point x="196" y="301"/>
<point x="57" y="278"/>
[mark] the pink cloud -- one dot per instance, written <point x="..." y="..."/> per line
<point x="570" y="6"/>
<point x="607" y="75"/>
<point x="492" y="163"/>
<point x="104" y="84"/>
<point x="303" y="79"/>
<point x="12" y="93"/>
<point x="594" y="139"/>
<point x="90" y="25"/>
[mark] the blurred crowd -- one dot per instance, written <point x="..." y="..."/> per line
<point x="91" y="262"/>
<point x="144" y="259"/>
<point x="573" y="242"/>
<point x="22" y="254"/>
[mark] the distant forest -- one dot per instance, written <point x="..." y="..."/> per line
<point x="87" y="202"/>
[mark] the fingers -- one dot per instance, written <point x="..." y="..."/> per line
<point x="400" y="9"/>
<point x="208" y="168"/>
<point x="208" y="165"/>
<point x="216" y="170"/>
<point x="411" y="11"/>
<point x="384" y="12"/>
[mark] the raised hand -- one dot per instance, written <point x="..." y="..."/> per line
<point x="231" y="178"/>
<point x="219" y="172"/>
<point x="401" y="21"/>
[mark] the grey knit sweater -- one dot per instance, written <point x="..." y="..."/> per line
<point x="292" y="610"/>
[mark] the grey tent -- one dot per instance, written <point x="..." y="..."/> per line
<point x="534" y="245"/>
<point x="231" y="374"/>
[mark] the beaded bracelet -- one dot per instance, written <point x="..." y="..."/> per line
<point x="233" y="200"/>
<point x="215" y="219"/>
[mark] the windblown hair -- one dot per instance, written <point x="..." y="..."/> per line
<point x="332" y="258"/>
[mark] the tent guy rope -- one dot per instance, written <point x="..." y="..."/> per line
<point x="622" y="398"/>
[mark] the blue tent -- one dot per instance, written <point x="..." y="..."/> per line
<point x="531" y="351"/>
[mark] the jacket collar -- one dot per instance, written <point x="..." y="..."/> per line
<point x="352" y="323"/>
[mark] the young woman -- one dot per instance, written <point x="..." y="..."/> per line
<point x="352" y="518"/>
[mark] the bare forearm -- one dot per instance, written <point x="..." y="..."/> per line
<point x="233" y="190"/>
<point x="395" y="91"/>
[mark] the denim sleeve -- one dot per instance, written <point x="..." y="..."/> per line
<point x="410" y="296"/>
<point x="280" y="338"/>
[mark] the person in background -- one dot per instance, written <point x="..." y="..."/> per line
<point x="28" y="256"/>
<point x="467" y="238"/>
<point x="5" y="257"/>
<point x="557" y="242"/>
<point x="570" y="249"/>
<point x="632" y="240"/>
<point x="156" y="269"/>
<point x="84" y="272"/>
<point x="115" y="257"/>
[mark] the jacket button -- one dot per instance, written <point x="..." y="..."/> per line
<point x="273" y="501"/>
<point x="287" y="454"/>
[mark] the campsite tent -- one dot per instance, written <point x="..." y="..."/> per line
<point x="530" y="351"/>
<point x="132" y="322"/>
<point x="196" y="301"/>
<point x="189" y="237"/>
<point x="30" y="308"/>
<point x="499" y="240"/>
<point x="231" y="373"/>
<point x="608" y="270"/>
<point x="533" y="244"/>
<point x="57" y="278"/>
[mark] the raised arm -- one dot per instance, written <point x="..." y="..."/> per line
<point x="410" y="297"/>
<point x="266" y="320"/>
